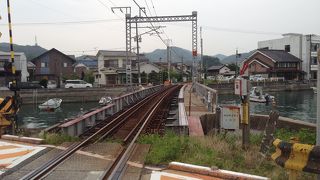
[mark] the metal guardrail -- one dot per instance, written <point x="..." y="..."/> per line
<point x="207" y="94"/>
<point x="78" y="125"/>
<point x="297" y="156"/>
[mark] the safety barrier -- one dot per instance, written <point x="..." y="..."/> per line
<point x="297" y="156"/>
<point x="208" y="95"/>
<point x="78" y="125"/>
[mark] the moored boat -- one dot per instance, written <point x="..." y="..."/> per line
<point x="51" y="104"/>
<point x="105" y="100"/>
<point x="256" y="95"/>
<point x="314" y="90"/>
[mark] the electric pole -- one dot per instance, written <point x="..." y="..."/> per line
<point x="201" y="46"/>
<point x="138" y="58"/>
<point x="318" y="101"/>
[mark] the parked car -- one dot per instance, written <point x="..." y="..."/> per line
<point x="77" y="84"/>
<point x="52" y="84"/>
<point x="257" y="78"/>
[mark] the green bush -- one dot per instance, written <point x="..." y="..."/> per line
<point x="304" y="135"/>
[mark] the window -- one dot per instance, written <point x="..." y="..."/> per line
<point x="111" y="63"/>
<point x="314" y="47"/>
<point x="287" y="48"/>
<point x="314" y="61"/>
<point x="44" y="64"/>
<point x="65" y="64"/>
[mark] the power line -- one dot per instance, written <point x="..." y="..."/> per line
<point x="109" y="8"/>
<point x="63" y="22"/>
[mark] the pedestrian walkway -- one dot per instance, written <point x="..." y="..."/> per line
<point x="11" y="154"/>
<point x="195" y="108"/>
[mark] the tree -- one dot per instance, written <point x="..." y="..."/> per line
<point x="154" y="77"/>
<point x="233" y="67"/>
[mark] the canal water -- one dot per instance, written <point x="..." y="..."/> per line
<point x="300" y="105"/>
<point x="30" y="116"/>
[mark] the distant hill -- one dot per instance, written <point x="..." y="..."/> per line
<point x="232" y="59"/>
<point x="220" y="56"/>
<point x="177" y="54"/>
<point x="30" y="51"/>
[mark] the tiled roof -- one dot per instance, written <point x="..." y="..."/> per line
<point x="115" y="53"/>
<point x="88" y="63"/>
<point x="279" y="55"/>
<point x="216" y="67"/>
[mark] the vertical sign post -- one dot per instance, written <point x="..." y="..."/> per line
<point x="318" y="100"/>
<point x="318" y="103"/>
<point x="242" y="88"/>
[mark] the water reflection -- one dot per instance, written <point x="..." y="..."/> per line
<point x="30" y="116"/>
<point x="299" y="105"/>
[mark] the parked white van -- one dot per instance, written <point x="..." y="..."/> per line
<point x="77" y="84"/>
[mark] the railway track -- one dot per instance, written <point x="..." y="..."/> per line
<point x="126" y="126"/>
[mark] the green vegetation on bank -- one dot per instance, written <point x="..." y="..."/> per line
<point x="57" y="139"/>
<point x="223" y="151"/>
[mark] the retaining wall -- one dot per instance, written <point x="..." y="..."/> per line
<point x="258" y="122"/>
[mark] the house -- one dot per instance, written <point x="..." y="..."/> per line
<point x="112" y="67"/>
<point x="218" y="70"/>
<point x="20" y="63"/>
<point x="147" y="67"/>
<point x="275" y="63"/>
<point x="302" y="46"/>
<point x="85" y="63"/>
<point x="53" y="65"/>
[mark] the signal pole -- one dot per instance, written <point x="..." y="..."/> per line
<point x="318" y="103"/>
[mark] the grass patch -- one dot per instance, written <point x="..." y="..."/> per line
<point x="305" y="136"/>
<point x="57" y="139"/>
<point x="223" y="151"/>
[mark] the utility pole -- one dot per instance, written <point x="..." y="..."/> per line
<point x="138" y="58"/>
<point x="318" y="102"/>
<point x="201" y="46"/>
<point x="168" y="59"/>
<point x="236" y="62"/>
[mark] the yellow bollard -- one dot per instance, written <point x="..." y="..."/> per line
<point x="293" y="174"/>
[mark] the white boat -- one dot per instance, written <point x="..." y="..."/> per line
<point x="51" y="104"/>
<point x="256" y="95"/>
<point x="314" y="90"/>
<point x="105" y="100"/>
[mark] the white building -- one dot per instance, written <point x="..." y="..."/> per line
<point x="20" y="63"/>
<point x="112" y="67"/>
<point x="302" y="46"/>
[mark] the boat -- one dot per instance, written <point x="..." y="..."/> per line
<point x="314" y="90"/>
<point x="256" y="95"/>
<point x="51" y="104"/>
<point x="105" y="100"/>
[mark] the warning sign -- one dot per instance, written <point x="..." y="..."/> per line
<point x="230" y="117"/>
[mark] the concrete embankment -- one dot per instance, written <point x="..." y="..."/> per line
<point x="67" y="95"/>
<point x="228" y="88"/>
<point x="258" y="122"/>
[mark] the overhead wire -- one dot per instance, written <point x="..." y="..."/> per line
<point x="63" y="22"/>
<point x="158" y="34"/>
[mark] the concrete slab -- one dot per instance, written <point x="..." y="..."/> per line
<point x="136" y="162"/>
<point x="12" y="154"/>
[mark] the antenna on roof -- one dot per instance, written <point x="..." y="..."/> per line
<point x="35" y="40"/>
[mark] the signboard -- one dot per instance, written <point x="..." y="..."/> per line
<point x="240" y="87"/>
<point x="230" y="116"/>
<point x="245" y="69"/>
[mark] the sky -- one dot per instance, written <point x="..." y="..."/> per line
<point x="227" y="24"/>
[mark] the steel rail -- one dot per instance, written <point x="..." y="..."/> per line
<point x="46" y="168"/>
<point x="113" y="172"/>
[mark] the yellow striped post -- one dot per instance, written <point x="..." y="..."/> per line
<point x="11" y="41"/>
